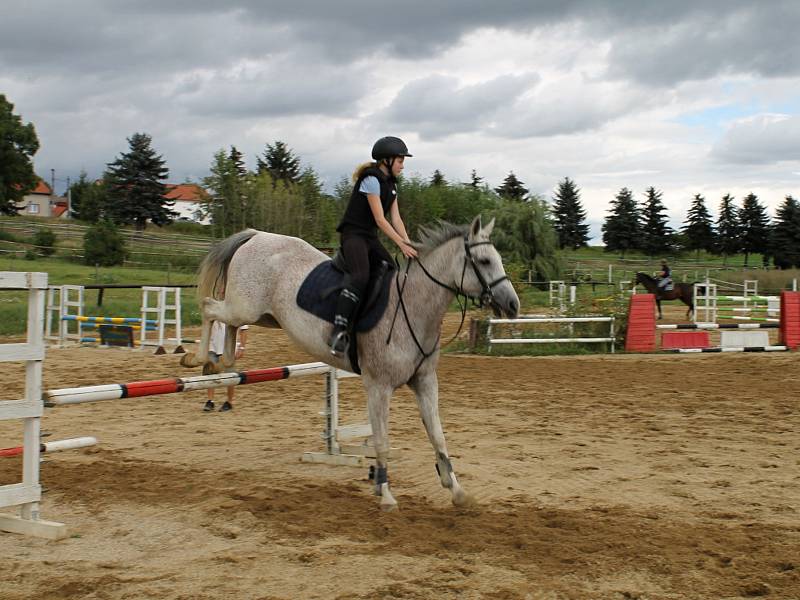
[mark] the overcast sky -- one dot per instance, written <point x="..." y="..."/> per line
<point x="687" y="96"/>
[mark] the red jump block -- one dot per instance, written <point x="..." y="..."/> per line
<point x="641" y="336"/>
<point x="685" y="339"/>
<point x="790" y="320"/>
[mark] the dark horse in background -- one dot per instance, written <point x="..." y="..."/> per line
<point x="680" y="291"/>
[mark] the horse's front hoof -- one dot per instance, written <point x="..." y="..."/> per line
<point x="389" y="507"/>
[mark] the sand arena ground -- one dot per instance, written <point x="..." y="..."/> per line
<point x="594" y="479"/>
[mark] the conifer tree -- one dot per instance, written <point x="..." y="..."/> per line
<point x="280" y="162"/>
<point x="728" y="232"/>
<point x="512" y="188"/>
<point x="18" y="144"/>
<point x="656" y="234"/>
<point x="754" y="227"/>
<point x="569" y="217"/>
<point x="785" y="238"/>
<point x="475" y="181"/>
<point x="135" y="183"/>
<point x="238" y="161"/>
<point x="437" y="178"/>
<point x="698" y="228"/>
<point x="622" y="230"/>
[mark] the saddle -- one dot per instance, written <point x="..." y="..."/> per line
<point x="319" y="293"/>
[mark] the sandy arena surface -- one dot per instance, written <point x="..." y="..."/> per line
<point x="594" y="479"/>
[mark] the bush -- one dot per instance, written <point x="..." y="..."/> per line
<point x="45" y="241"/>
<point x="103" y="245"/>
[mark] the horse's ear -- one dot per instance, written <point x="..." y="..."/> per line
<point x="475" y="228"/>
<point x="487" y="231"/>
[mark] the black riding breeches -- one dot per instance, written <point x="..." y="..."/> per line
<point x="362" y="254"/>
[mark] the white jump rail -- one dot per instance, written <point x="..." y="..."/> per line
<point x="539" y="320"/>
<point x="27" y="494"/>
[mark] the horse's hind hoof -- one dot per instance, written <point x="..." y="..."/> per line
<point x="188" y="360"/>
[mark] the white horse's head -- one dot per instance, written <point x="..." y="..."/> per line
<point x="484" y="276"/>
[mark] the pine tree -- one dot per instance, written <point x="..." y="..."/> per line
<point x="622" y="230"/>
<point x="785" y="238"/>
<point x="698" y="229"/>
<point x="281" y="163"/>
<point x="512" y="188"/>
<point x="656" y="234"/>
<point x="569" y="217"/>
<point x="754" y="226"/>
<point x="136" y="186"/>
<point x="237" y="158"/>
<point x="18" y="144"/>
<point x="729" y="240"/>
<point x="437" y="178"/>
<point x="475" y="181"/>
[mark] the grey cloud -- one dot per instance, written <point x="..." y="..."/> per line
<point x="437" y="106"/>
<point x="703" y="44"/>
<point x="276" y="89"/>
<point x="761" y="140"/>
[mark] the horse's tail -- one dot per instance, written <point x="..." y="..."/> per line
<point x="212" y="276"/>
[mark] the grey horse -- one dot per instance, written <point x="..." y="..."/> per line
<point x="252" y="277"/>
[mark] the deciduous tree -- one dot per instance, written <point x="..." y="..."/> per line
<point x="18" y="144"/>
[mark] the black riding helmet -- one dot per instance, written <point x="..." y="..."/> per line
<point x="388" y="147"/>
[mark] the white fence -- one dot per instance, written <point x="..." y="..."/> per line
<point x="560" y="340"/>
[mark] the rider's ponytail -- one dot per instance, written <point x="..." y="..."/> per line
<point x="361" y="168"/>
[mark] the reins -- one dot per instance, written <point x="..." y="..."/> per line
<point x="485" y="296"/>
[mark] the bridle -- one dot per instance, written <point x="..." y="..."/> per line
<point x="485" y="297"/>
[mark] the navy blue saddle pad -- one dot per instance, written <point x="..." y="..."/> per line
<point x="319" y="293"/>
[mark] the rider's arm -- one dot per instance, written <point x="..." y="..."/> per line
<point x="386" y="227"/>
<point x="397" y="221"/>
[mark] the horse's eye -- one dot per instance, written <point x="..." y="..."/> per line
<point x="484" y="261"/>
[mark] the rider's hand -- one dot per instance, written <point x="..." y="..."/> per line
<point x="408" y="250"/>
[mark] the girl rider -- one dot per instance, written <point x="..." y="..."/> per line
<point x="374" y="196"/>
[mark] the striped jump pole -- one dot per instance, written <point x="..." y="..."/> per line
<point x="55" y="446"/>
<point x="729" y="349"/>
<point x="720" y="326"/>
<point x="109" y="320"/>
<point x="746" y="298"/>
<point x="156" y="387"/>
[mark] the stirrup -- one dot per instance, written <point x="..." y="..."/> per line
<point x="340" y="341"/>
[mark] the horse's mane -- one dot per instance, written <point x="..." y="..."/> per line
<point x="433" y="236"/>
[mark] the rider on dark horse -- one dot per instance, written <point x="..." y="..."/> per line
<point x="664" y="277"/>
<point x="374" y="196"/>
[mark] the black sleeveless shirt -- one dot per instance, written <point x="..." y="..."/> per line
<point x="358" y="217"/>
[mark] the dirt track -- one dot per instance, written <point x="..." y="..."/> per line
<point x="594" y="480"/>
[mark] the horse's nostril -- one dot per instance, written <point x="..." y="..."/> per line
<point x="513" y="306"/>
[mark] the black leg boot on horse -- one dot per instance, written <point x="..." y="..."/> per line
<point x="346" y="309"/>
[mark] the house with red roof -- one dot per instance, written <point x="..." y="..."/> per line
<point x="42" y="202"/>
<point x="189" y="199"/>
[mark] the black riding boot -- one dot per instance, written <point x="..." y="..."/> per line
<point x="343" y="321"/>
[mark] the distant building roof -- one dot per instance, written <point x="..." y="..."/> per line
<point x="59" y="209"/>
<point x="41" y="188"/>
<point x="186" y="192"/>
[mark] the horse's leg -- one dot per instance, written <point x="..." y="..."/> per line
<point x="426" y="389"/>
<point x="658" y="304"/>
<point x="378" y="397"/>
<point x="191" y="359"/>
<point x="229" y="353"/>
